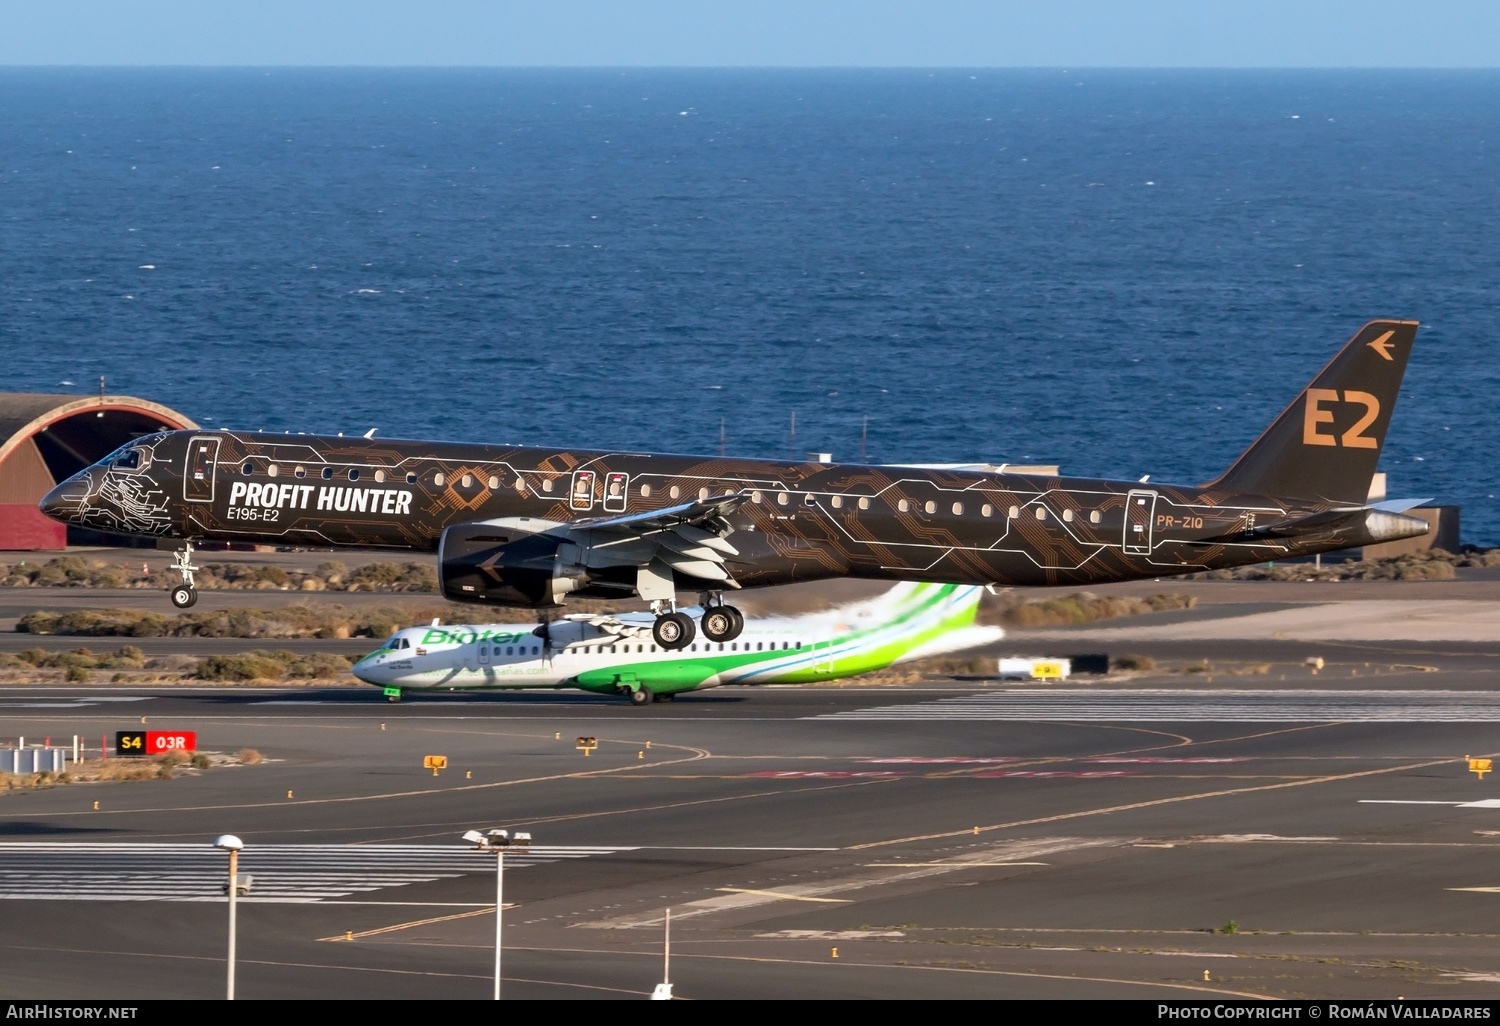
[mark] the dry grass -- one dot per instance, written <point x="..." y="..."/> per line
<point x="1010" y="610"/>
<point x="161" y="767"/>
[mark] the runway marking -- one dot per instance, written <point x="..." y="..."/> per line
<point x="950" y="865"/>
<point x="783" y="895"/>
<point x="1483" y="803"/>
<point x="486" y="910"/>
<point x="1153" y="803"/>
<point x="1167" y="705"/>
<point x="283" y="873"/>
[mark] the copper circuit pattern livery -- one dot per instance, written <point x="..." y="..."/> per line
<point x="519" y="525"/>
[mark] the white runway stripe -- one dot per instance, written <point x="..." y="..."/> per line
<point x="1177" y="706"/>
<point x="87" y="871"/>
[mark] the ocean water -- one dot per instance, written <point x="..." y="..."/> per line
<point x="1125" y="272"/>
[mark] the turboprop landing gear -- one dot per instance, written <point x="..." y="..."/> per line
<point x="185" y="594"/>
<point x="672" y="630"/>
<point x="641" y="696"/>
<point x="721" y="622"/>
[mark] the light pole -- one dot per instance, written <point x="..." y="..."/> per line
<point x="231" y="844"/>
<point x="498" y="841"/>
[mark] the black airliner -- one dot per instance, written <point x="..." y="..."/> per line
<point x="515" y="525"/>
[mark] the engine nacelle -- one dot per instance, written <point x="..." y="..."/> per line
<point x="509" y="562"/>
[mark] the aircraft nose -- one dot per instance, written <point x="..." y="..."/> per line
<point x="62" y="502"/>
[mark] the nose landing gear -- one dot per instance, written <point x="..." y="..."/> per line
<point x="185" y="594"/>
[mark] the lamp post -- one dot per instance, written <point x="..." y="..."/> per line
<point x="498" y="841"/>
<point x="231" y="844"/>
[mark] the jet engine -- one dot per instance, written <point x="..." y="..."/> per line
<point x="512" y="562"/>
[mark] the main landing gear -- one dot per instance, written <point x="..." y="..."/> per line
<point x="184" y="594"/>
<point x="674" y="630"/>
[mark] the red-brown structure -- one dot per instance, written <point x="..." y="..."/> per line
<point x="45" y="439"/>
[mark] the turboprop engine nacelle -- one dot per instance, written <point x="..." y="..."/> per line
<point x="512" y="562"/>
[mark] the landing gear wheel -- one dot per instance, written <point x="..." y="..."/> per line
<point x="183" y="596"/>
<point x="674" y="630"/>
<point x="642" y="696"/>
<point x="722" y="623"/>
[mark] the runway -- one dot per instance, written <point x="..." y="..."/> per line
<point x="1287" y="833"/>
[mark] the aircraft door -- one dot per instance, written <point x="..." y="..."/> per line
<point x="1140" y="515"/>
<point x="198" y="480"/>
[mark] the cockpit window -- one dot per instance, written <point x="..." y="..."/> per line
<point x="396" y="643"/>
<point x="130" y="459"/>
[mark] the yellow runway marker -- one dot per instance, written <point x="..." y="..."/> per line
<point x="946" y="865"/>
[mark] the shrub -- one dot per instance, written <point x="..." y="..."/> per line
<point x="240" y="667"/>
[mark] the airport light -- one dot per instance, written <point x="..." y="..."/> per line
<point x="231" y="844"/>
<point x="498" y="841"/>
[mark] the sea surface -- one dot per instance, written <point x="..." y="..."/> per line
<point x="1124" y="272"/>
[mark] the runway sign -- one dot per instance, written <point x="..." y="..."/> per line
<point x="155" y="742"/>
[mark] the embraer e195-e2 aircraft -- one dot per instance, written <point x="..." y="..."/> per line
<point x="617" y="654"/>
<point x="526" y="526"/>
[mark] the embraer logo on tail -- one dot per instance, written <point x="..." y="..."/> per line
<point x="1314" y="415"/>
<point x="1382" y="345"/>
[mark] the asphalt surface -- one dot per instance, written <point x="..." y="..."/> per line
<point x="1229" y="824"/>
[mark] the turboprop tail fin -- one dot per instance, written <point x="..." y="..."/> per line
<point x="1325" y="445"/>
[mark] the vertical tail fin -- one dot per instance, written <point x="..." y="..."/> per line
<point x="1325" y="445"/>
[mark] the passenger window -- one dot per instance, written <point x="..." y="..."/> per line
<point x="380" y="476"/>
<point x="438" y="479"/>
<point x="411" y="478"/>
<point x="1068" y="516"/>
<point x="755" y="495"/>
<point x="864" y="503"/>
<point x="958" y="509"/>
<point x="1015" y="511"/>
<point x="299" y="472"/>
<point x="467" y="481"/>
<point x="272" y="470"/>
<point x="547" y="484"/>
<point x="510" y="650"/>
<point x="353" y="474"/>
<point x="930" y="506"/>
<point x="494" y="482"/>
<point x="986" y="510"/>
<point x="645" y="491"/>
<point x="674" y="492"/>
<point x="903" y="505"/>
<point x="1041" y="512"/>
<point x="702" y="494"/>
<point x="247" y="469"/>
<point x="1093" y="516"/>
<point x="327" y="473"/>
<point x="781" y="498"/>
<point x="837" y="502"/>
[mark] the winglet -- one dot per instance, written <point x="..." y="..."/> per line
<point x="1326" y="444"/>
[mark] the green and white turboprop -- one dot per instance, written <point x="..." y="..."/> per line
<point x="617" y="654"/>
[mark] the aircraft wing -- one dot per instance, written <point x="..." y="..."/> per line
<point x="689" y="538"/>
